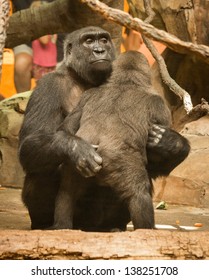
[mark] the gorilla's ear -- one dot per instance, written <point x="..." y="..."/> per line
<point x="69" y="48"/>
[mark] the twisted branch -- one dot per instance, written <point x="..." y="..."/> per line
<point x="166" y="78"/>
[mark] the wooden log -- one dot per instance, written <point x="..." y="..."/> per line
<point x="61" y="16"/>
<point x="79" y="245"/>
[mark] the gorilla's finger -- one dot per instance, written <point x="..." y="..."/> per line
<point x="158" y="128"/>
<point x="95" y="146"/>
<point x="85" y="172"/>
<point x="98" y="159"/>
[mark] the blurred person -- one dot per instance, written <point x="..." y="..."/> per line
<point x="133" y="41"/>
<point x="44" y="56"/>
<point x="44" y="52"/>
<point x="23" y="55"/>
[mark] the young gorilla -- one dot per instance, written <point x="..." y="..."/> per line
<point x="44" y="147"/>
<point x="116" y="117"/>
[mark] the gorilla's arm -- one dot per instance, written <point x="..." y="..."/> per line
<point x="70" y="126"/>
<point x="166" y="148"/>
<point x="43" y="145"/>
<point x="71" y="123"/>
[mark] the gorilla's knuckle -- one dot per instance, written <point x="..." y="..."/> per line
<point x="81" y="162"/>
<point x="162" y="130"/>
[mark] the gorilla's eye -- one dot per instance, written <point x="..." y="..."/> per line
<point x="89" y="41"/>
<point x="104" y="40"/>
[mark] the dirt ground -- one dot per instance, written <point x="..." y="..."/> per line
<point x="13" y="214"/>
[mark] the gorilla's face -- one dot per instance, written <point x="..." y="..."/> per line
<point x="90" y="52"/>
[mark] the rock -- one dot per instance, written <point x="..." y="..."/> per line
<point x="199" y="127"/>
<point x="11" y="117"/>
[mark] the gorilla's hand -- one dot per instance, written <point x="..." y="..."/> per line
<point x="155" y="135"/>
<point x="84" y="157"/>
<point x="166" y="148"/>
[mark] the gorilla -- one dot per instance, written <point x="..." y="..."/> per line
<point x="116" y="117"/>
<point x="44" y="147"/>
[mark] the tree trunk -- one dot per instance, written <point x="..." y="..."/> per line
<point x="61" y="16"/>
<point x="4" y="16"/>
<point x="192" y="75"/>
<point x="73" y="244"/>
<point x="188" y="20"/>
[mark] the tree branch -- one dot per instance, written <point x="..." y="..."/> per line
<point x="193" y="112"/>
<point x="197" y="112"/>
<point x="60" y="16"/>
<point x="149" y="11"/>
<point x="169" y="40"/>
<point x="148" y="30"/>
<point x="166" y="78"/>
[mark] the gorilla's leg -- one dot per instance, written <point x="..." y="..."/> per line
<point x="140" y="203"/>
<point x="132" y="184"/>
<point x="71" y="187"/>
<point x="100" y="209"/>
<point x="141" y="206"/>
<point x="39" y="193"/>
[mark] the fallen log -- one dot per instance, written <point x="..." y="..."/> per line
<point x="61" y="16"/>
<point x="79" y="245"/>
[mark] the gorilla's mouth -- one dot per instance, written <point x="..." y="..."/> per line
<point x="100" y="61"/>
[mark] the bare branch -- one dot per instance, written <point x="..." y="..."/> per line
<point x="60" y="16"/>
<point x="194" y="112"/>
<point x="197" y="112"/>
<point x="166" y="78"/>
<point x="148" y="30"/>
<point x="149" y="11"/>
<point x="169" y="40"/>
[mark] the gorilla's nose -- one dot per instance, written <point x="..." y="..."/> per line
<point x="99" y="51"/>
